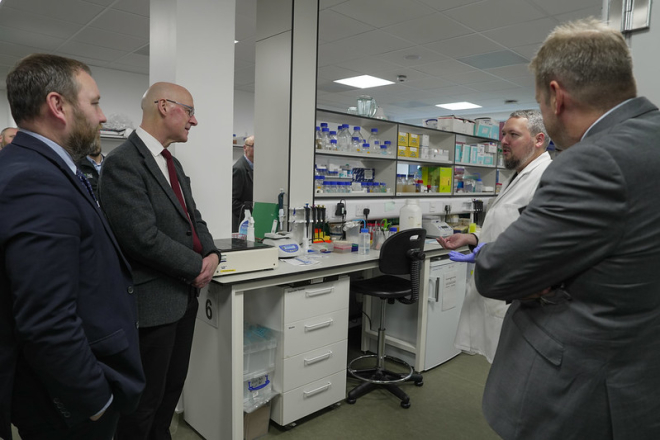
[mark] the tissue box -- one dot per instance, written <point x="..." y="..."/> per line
<point x="487" y="127"/>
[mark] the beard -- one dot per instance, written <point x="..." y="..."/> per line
<point x="85" y="137"/>
<point x="513" y="163"/>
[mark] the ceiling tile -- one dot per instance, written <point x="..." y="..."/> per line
<point x="31" y="39"/>
<point x="428" y="83"/>
<point x="135" y="60"/>
<point x="493" y="86"/>
<point x="368" y="65"/>
<point x="444" y="67"/>
<point x="325" y="4"/>
<point x="372" y="43"/>
<point x="112" y="40"/>
<point x="32" y="22"/>
<point x="491" y="14"/>
<point x="380" y="13"/>
<point x="473" y="44"/>
<point x="494" y="59"/>
<point x="138" y="7"/>
<point x="443" y="5"/>
<point x="474" y="76"/>
<point x="582" y="13"/>
<point x="15" y="50"/>
<point x="515" y="71"/>
<point x="557" y="7"/>
<point x="433" y="27"/>
<point x="334" y="72"/>
<point x="425" y="55"/>
<point x="334" y="26"/>
<point x="123" y="23"/>
<point x="330" y="54"/>
<point x="535" y="31"/>
<point x="129" y="68"/>
<point x="527" y="50"/>
<point x="75" y="11"/>
<point x="78" y="49"/>
<point x="100" y="2"/>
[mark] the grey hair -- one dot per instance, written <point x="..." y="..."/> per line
<point x="588" y="59"/>
<point x="534" y="123"/>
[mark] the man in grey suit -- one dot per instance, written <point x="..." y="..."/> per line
<point x="579" y="353"/>
<point x="148" y="201"/>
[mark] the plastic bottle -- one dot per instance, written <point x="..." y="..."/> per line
<point x="358" y="134"/>
<point x="318" y="142"/>
<point x="333" y="137"/>
<point x="364" y="242"/>
<point x="344" y="139"/>
<point x="410" y="215"/>
<point x="479" y="186"/>
<point x="374" y="141"/>
<point x="366" y="148"/>
<point x="390" y="151"/>
<point x="333" y="144"/>
<point x="325" y="138"/>
<point x="356" y="145"/>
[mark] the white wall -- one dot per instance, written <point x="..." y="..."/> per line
<point x="646" y="65"/>
<point x="243" y="114"/>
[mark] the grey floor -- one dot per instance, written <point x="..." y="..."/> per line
<point x="447" y="406"/>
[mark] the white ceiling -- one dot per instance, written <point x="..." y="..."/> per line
<point x="450" y="50"/>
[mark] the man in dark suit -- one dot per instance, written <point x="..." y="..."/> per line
<point x="90" y="165"/>
<point x="581" y="360"/>
<point x="69" y="357"/>
<point x="242" y="183"/>
<point x="148" y="201"/>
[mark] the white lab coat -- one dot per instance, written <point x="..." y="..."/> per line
<point x="481" y="318"/>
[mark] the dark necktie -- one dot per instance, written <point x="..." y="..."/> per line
<point x="174" y="181"/>
<point x="87" y="185"/>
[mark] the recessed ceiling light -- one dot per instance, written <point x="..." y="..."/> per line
<point x="364" y="81"/>
<point x="458" y="105"/>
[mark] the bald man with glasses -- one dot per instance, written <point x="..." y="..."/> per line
<point x="148" y="201"/>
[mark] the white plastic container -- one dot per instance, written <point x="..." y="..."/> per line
<point x="364" y="242"/>
<point x="410" y="216"/>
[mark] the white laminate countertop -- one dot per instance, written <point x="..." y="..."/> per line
<point x="330" y="263"/>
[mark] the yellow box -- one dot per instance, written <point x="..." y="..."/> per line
<point x="413" y="152"/>
<point x="413" y="140"/>
<point x="403" y="139"/>
<point x="403" y="151"/>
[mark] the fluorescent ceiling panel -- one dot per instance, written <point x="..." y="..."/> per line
<point x="458" y="106"/>
<point x="364" y="81"/>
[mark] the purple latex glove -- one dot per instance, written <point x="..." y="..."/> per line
<point x="465" y="258"/>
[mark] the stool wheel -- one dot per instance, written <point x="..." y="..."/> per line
<point x="351" y="401"/>
<point x="405" y="405"/>
<point x="419" y="384"/>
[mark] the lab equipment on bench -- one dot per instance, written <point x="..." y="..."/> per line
<point x="436" y="227"/>
<point x="286" y="246"/>
<point x="238" y="256"/>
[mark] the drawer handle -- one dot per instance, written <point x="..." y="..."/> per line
<point x="318" y="326"/>
<point x="316" y="391"/>
<point x="317" y="292"/>
<point x="318" y="358"/>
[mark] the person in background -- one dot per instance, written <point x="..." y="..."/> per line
<point x="148" y="200"/>
<point x="242" y="183"/>
<point x="7" y="135"/>
<point x="524" y="143"/>
<point x="91" y="166"/>
<point x="69" y="356"/>
<point x="579" y="353"/>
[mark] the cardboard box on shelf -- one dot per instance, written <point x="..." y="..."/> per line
<point x="402" y="151"/>
<point x="413" y="152"/>
<point x="255" y="424"/>
<point x="457" y="125"/>
<point x="413" y="140"/>
<point x="403" y="139"/>
<point x="487" y="127"/>
<point x="424" y="140"/>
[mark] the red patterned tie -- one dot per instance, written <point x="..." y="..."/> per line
<point x="174" y="181"/>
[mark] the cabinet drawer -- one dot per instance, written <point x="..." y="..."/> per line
<point x="313" y="365"/>
<point x="315" y="299"/>
<point x="309" y="398"/>
<point x="312" y="333"/>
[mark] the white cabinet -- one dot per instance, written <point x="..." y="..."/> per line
<point x="312" y="326"/>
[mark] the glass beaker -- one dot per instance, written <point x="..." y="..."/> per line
<point x="366" y="106"/>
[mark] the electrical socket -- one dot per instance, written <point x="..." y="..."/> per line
<point x="359" y="209"/>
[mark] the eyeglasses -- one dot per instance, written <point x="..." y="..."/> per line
<point x="190" y="110"/>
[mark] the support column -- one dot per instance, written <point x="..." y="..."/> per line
<point x="285" y="100"/>
<point x="196" y="51"/>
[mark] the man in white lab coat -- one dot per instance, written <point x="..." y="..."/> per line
<point x="524" y="143"/>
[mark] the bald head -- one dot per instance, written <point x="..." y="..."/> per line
<point x="7" y="136"/>
<point x="168" y="112"/>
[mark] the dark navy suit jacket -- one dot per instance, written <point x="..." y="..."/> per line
<point x="68" y="318"/>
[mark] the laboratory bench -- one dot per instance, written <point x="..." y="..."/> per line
<point x="307" y="307"/>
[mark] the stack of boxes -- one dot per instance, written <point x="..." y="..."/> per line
<point x="476" y="154"/>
